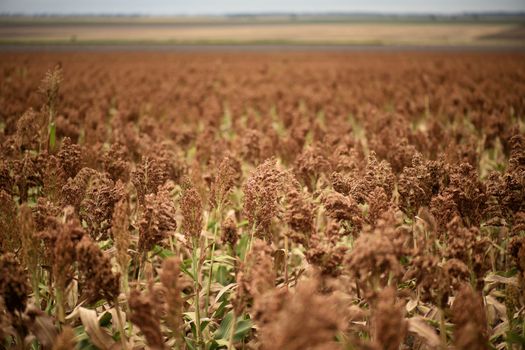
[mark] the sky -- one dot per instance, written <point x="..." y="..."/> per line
<point x="196" y="7"/>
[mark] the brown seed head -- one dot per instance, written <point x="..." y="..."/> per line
<point x="30" y="130"/>
<point x="115" y="162"/>
<point x="9" y="237"/>
<point x="228" y="174"/>
<point x="377" y="252"/>
<point x="262" y="191"/>
<point x="50" y="85"/>
<point x="95" y="269"/>
<point x="229" y="233"/>
<point x="143" y="314"/>
<point x="256" y="277"/>
<point x="70" y="157"/>
<point x="65" y="340"/>
<point x="468" y="314"/>
<point x="299" y="216"/>
<point x="157" y="218"/>
<point x="325" y="254"/>
<point x="320" y="322"/>
<point x="343" y="209"/>
<point x="31" y="250"/>
<point x="121" y="232"/>
<point x="14" y="288"/>
<point x="149" y="176"/>
<point x="173" y="286"/>
<point x="96" y="209"/>
<point x="191" y="208"/>
<point x="390" y="326"/>
<point x="61" y="242"/>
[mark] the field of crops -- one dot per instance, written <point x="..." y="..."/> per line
<point x="493" y="31"/>
<point x="262" y="200"/>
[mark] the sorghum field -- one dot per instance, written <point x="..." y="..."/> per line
<point x="262" y="200"/>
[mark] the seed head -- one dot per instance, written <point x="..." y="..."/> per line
<point x="173" y="286"/>
<point x="262" y="191"/>
<point x="256" y="276"/>
<point x="95" y="269"/>
<point x="65" y="340"/>
<point x="191" y="208"/>
<point x="14" y="288"/>
<point x="121" y="232"/>
<point x="144" y="315"/>
<point x="228" y="174"/>
<point x="157" y="218"/>
<point x="229" y="233"/>
<point x="468" y="314"/>
<point x="320" y="322"/>
<point x="390" y="327"/>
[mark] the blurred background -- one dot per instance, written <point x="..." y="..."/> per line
<point x="287" y="22"/>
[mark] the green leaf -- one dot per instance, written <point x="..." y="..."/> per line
<point x="242" y="328"/>
<point x="222" y="275"/>
<point x="221" y="309"/>
<point x="105" y="320"/>
<point x="52" y="136"/>
<point x="514" y="338"/>
<point x="224" y="290"/>
<point x="212" y="225"/>
<point x="162" y="252"/>
<point x="223" y="258"/>
<point x="107" y="244"/>
<point x="222" y="342"/>
<point x="191" y="317"/>
<point x="186" y="267"/>
<point x="242" y="246"/>
<point x="243" y="223"/>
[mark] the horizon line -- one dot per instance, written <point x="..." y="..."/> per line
<point x="270" y="13"/>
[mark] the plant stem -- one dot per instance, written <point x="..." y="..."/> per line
<point x="232" y="332"/>
<point x="121" y="326"/>
<point x="19" y="341"/>
<point x="36" y="290"/>
<point x="523" y="328"/>
<point x="197" y="292"/>
<point x="286" y="260"/>
<point x="125" y="288"/>
<point x="210" y="273"/>
<point x="140" y="266"/>
<point x="252" y="233"/>
<point x="442" y="329"/>
<point x="60" y="305"/>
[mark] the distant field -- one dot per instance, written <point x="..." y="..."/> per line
<point x="213" y="31"/>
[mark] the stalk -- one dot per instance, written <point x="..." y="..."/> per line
<point x="140" y="267"/>
<point x="197" y="292"/>
<point x="60" y="305"/>
<point x="522" y="326"/>
<point x="210" y="273"/>
<point x="19" y="340"/>
<point x="125" y="281"/>
<point x="252" y="233"/>
<point x="415" y="234"/>
<point x="232" y="332"/>
<point x="123" y="339"/>
<point x="286" y="260"/>
<point x="125" y="288"/>
<point x="36" y="290"/>
<point x="442" y="329"/>
<point x="172" y="246"/>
